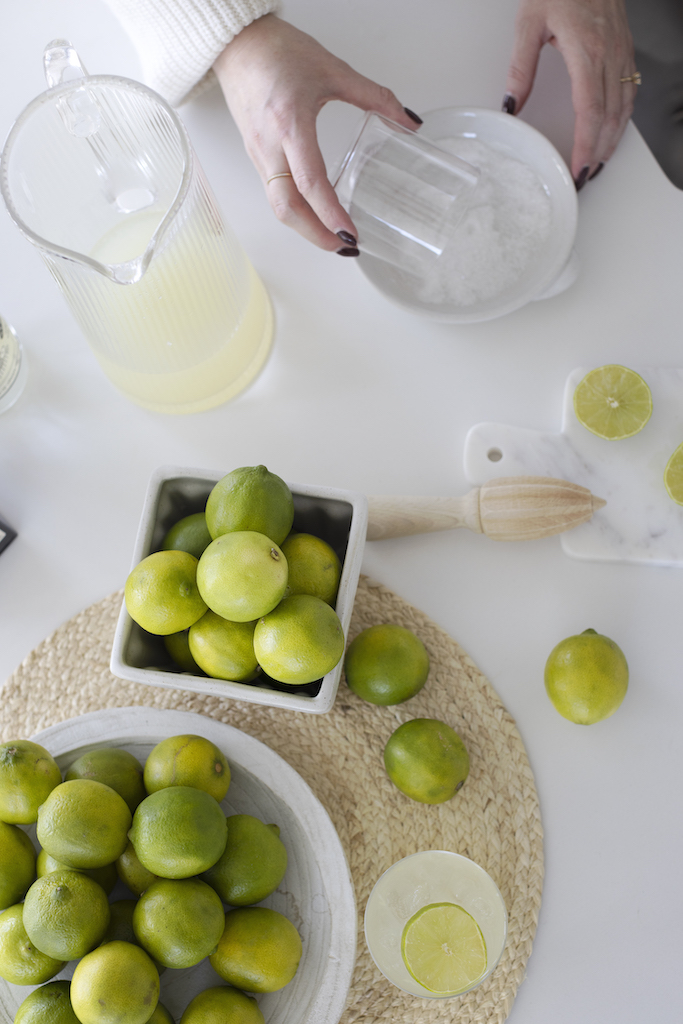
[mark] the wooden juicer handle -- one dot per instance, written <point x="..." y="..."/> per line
<point x="511" y="508"/>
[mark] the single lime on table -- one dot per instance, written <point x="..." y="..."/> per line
<point x="114" y="983"/>
<point x="49" y="1004"/>
<point x="613" y="402"/>
<point x="673" y="476"/>
<point x="300" y="640"/>
<point x="161" y="592"/>
<point x="28" y="774"/>
<point x="188" y="760"/>
<point x="242" y="575"/>
<point x="586" y="677"/>
<point x="253" y="863"/>
<point x="179" y="832"/>
<point x="314" y="566"/>
<point x="224" y="649"/>
<point x="426" y="760"/>
<point x="220" y="1004"/>
<point x="17" y="864"/>
<point x="179" y="921"/>
<point x="443" y="948"/>
<point x="386" y="664"/>
<point x="250" y="498"/>
<point x="190" y="534"/>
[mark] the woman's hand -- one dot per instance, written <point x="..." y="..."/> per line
<point x="276" y="80"/>
<point x="594" y="38"/>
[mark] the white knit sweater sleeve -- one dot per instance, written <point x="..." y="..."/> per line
<point x="178" y="40"/>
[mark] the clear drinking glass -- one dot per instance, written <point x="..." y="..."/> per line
<point x="433" y="876"/>
<point x="405" y="195"/>
<point x="99" y="174"/>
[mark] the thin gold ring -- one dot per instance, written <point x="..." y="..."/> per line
<point x="282" y="174"/>
<point x="636" y="78"/>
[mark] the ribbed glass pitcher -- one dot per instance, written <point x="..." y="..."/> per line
<point x="99" y="174"/>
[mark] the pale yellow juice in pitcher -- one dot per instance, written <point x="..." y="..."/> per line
<point x="194" y="330"/>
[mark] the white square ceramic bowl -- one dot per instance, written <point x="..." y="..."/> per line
<point x="339" y="517"/>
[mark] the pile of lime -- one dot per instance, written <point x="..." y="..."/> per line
<point x="161" y="830"/>
<point x="234" y="592"/>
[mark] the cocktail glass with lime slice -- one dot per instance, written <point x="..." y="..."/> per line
<point x="401" y="924"/>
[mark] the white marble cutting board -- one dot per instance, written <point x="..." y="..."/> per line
<point x="640" y="522"/>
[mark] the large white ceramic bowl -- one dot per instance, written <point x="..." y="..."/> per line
<point x="339" y="517"/>
<point x="554" y="266"/>
<point x="316" y="893"/>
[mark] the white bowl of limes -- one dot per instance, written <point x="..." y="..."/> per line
<point x="337" y="517"/>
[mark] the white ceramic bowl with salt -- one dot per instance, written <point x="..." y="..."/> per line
<point x="474" y="282"/>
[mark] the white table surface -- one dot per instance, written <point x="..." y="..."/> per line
<point x="358" y="394"/>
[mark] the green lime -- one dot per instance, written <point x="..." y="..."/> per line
<point x="105" y="876"/>
<point x="178" y="832"/>
<point x="673" y="476"/>
<point x="426" y="760"/>
<point x="386" y="664"/>
<point x="28" y="774"/>
<point x="132" y="873"/>
<point x="115" y="984"/>
<point x="242" y="575"/>
<point x="613" y="402"/>
<point x="161" y="1016"/>
<point x="224" y="649"/>
<point x="17" y="864"/>
<point x="179" y="921"/>
<point x="161" y="592"/>
<point x="253" y="863"/>
<point x="66" y="914"/>
<point x="586" y="677"/>
<point x="50" y="1004"/>
<point x="259" y="950"/>
<point x="443" y="948"/>
<point x="221" y="1004"/>
<point x="83" y="824"/>
<point x="178" y="646"/>
<point x="114" y="767"/>
<point x="314" y="567"/>
<point x="21" y="962"/>
<point x="120" y="927"/>
<point x="188" y="760"/>
<point x="250" y="498"/>
<point x="190" y="534"/>
<point x="299" y="641"/>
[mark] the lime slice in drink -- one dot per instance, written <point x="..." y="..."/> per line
<point x="613" y="402"/>
<point x="673" y="475"/>
<point x="443" y="948"/>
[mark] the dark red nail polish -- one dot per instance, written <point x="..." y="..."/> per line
<point x="509" y="103"/>
<point x="349" y="251"/>
<point x="582" y="178"/>
<point x="347" y="237"/>
<point x="597" y="170"/>
<point x="413" y="116"/>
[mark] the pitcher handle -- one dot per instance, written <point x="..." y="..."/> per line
<point x="79" y="111"/>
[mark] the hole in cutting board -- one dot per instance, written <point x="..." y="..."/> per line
<point x="494" y="455"/>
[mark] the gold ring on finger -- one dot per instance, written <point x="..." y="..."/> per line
<point x="636" y="78"/>
<point x="282" y="174"/>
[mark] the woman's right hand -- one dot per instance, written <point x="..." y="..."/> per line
<point x="276" y="80"/>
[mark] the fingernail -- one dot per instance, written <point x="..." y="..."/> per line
<point x="347" y="237"/>
<point x="415" y="117"/>
<point x="509" y="103"/>
<point x="582" y="178"/>
<point x="348" y="251"/>
<point x="597" y="170"/>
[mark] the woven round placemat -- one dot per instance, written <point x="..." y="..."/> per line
<point x="494" y="819"/>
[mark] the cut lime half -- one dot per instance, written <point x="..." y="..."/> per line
<point x="443" y="948"/>
<point x="613" y="402"/>
<point x="673" y="476"/>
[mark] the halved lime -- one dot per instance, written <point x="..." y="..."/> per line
<point x="673" y="476"/>
<point x="613" y="402"/>
<point x="443" y="948"/>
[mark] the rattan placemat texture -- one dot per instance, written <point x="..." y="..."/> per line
<point x="494" y="819"/>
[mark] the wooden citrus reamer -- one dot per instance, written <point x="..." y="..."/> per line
<point x="510" y="508"/>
